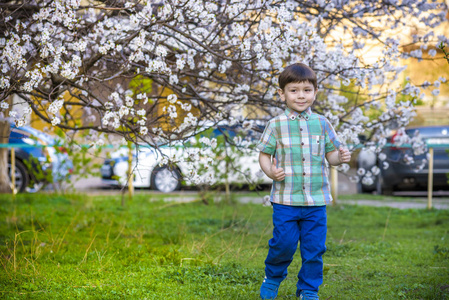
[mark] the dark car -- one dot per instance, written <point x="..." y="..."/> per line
<point x="36" y="160"/>
<point x="402" y="169"/>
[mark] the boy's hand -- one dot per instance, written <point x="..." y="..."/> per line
<point x="344" y="155"/>
<point x="278" y="174"/>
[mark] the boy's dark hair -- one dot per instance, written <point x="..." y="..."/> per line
<point x="296" y="73"/>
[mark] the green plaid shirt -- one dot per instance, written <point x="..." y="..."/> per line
<point x="299" y="142"/>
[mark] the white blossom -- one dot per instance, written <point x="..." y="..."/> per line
<point x="266" y="201"/>
<point x="4" y="82"/>
<point x="344" y="168"/>
<point x="172" y="98"/>
<point x="4" y="105"/>
<point x="367" y="180"/>
<point x="375" y="170"/>
<point x="361" y="172"/>
<point x="408" y="159"/>
<point x="205" y="140"/>
<point x="123" y="111"/>
<point x="143" y="130"/>
<point x="354" y="179"/>
<point x="55" y="106"/>
<point x="55" y="121"/>
<point x="129" y="101"/>
<point x="172" y="111"/>
<point x="213" y="143"/>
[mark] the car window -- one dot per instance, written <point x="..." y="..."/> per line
<point x="233" y="131"/>
<point x="252" y="135"/>
<point x="16" y="136"/>
<point x="426" y="132"/>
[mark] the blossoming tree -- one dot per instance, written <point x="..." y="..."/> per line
<point x="210" y="60"/>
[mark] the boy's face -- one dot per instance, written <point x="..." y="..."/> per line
<point x="298" y="96"/>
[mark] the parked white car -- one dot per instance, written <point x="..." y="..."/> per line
<point x="188" y="164"/>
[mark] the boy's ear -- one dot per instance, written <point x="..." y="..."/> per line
<point x="281" y="94"/>
<point x="314" y="96"/>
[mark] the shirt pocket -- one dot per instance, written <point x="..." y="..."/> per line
<point x="317" y="142"/>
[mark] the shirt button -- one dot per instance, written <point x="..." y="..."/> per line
<point x="304" y="173"/>
<point x="302" y="144"/>
<point x="300" y="129"/>
<point x="303" y="159"/>
<point x="303" y="187"/>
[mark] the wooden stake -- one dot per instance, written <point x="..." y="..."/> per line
<point x="13" y="171"/>
<point x="130" y="172"/>
<point x="430" y="180"/>
<point x="5" y="182"/>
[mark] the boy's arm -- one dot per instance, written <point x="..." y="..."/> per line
<point x="337" y="157"/>
<point x="269" y="167"/>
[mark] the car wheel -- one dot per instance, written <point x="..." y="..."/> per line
<point x="21" y="176"/>
<point x="166" y="179"/>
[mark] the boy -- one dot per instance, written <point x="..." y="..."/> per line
<point x="298" y="141"/>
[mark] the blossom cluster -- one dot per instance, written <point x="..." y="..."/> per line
<point x="203" y="61"/>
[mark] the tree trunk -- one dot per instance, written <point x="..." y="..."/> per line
<point x="5" y="184"/>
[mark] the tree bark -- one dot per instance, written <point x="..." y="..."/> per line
<point x="5" y="184"/>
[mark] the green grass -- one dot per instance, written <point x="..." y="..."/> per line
<point x="89" y="247"/>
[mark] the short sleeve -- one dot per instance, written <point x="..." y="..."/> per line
<point x="331" y="139"/>
<point x="267" y="142"/>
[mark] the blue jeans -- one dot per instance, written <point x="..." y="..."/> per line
<point x="308" y="225"/>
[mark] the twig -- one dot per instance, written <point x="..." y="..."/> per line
<point x="120" y="233"/>
<point x="67" y="229"/>
<point x="260" y="239"/>
<point x="342" y="237"/>
<point x="4" y="265"/>
<point x="87" y="250"/>
<point x="446" y="54"/>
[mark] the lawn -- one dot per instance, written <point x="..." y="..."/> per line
<point x="89" y="247"/>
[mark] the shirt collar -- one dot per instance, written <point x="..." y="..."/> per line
<point x="292" y="115"/>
